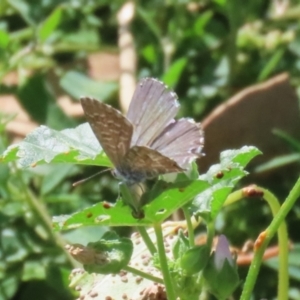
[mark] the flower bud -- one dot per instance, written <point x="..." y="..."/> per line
<point x="220" y="272"/>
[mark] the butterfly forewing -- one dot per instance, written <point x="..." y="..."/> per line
<point x="112" y="129"/>
<point x="148" y="163"/>
<point x="151" y="109"/>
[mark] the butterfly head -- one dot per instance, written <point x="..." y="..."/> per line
<point x="128" y="176"/>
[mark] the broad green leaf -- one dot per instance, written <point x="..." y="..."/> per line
<point x="24" y="8"/>
<point x="82" y="39"/>
<point x="116" y="286"/>
<point x="150" y="53"/>
<point x="35" y="97"/>
<point x="242" y="156"/>
<point x="162" y="206"/>
<point x="211" y="190"/>
<point x="45" y="145"/>
<point x="50" y="24"/>
<point x="108" y="255"/>
<point x="294" y="262"/>
<point x="222" y="178"/>
<point x="202" y="21"/>
<point x="33" y="270"/>
<point x="78" y="84"/>
<point x="173" y="74"/>
<point x="55" y="175"/>
<point x="9" y="285"/>
<point x="4" y="39"/>
<point x="194" y="259"/>
<point x="181" y="245"/>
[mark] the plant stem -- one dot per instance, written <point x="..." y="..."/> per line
<point x="148" y="242"/>
<point x="189" y="226"/>
<point x="143" y="274"/>
<point x="210" y="234"/>
<point x="283" y="277"/>
<point x="135" y="205"/>
<point x="269" y="233"/>
<point x="127" y="196"/>
<point x="43" y="216"/>
<point x="233" y="18"/>
<point x="234" y="197"/>
<point x="164" y="263"/>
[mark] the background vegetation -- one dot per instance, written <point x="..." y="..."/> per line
<point x="206" y="51"/>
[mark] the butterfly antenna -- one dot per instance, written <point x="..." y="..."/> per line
<point x="88" y="178"/>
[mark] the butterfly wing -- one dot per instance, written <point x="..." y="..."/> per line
<point x="143" y="162"/>
<point x="181" y="140"/>
<point x="151" y="109"/>
<point x="110" y="127"/>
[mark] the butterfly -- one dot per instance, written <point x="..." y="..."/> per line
<point x="147" y="142"/>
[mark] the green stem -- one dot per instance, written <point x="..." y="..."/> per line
<point x="145" y="236"/>
<point x="210" y="234"/>
<point x="232" y="6"/>
<point x="164" y="263"/>
<point x="43" y="217"/>
<point x="234" y="197"/>
<point x="129" y="198"/>
<point x="277" y="222"/>
<point x="190" y="227"/>
<point x="143" y="274"/>
<point x="283" y="241"/>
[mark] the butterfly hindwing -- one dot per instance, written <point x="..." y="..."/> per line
<point x="148" y="162"/>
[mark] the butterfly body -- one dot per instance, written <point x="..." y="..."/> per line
<point x="149" y="141"/>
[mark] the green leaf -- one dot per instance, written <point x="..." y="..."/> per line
<point x="150" y="23"/>
<point x="181" y="245"/>
<point x="50" y="24"/>
<point x="242" y="156"/>
<point x="271" y="65"/>
<point x="45" y="145"/>
<point x="194" y="259"/>
<point x="33" y="269"/>
<point x="9" y="285"/>
<point x="4" y="39"/>
<point x="161" y="207"/>
<point x="77" y="85"/>
<point x="173" y="74"/>
<point x="202" y="21"/>
<point x="109" y="255"/>
<point x="290" y="140"/>
<point x="35" y="97"/>
<point x="294" y="262"/>
<point x="115" y="286"/>
<point x="55" y="175"/>
<point x="278" y="162"/>
<point x="24" y="8"/>
<point x="222" y="178"/>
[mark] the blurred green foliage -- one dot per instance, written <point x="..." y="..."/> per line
<point x="206" y="50"/>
